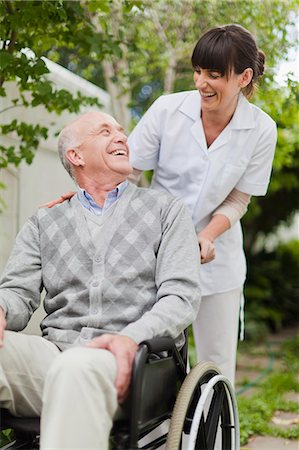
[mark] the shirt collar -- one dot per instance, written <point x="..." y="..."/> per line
<point x="243" y="117"/>
<point x="88" y="202"/>
<point x="191" y="105"/>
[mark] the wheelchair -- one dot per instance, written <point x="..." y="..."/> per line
<point x="199" y="404"/>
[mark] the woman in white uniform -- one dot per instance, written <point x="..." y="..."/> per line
<point x="213" y="149"/>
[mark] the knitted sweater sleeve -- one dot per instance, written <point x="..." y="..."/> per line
<point x="177" y="279"/>
<point x="21" y="284"/>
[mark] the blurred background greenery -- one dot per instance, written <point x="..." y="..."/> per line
<point x="137" y="50"/>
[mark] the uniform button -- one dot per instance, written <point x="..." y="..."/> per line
<point x="95" y="284"/>
<point x="94" y="310"/>
<point x="98" y="259"/>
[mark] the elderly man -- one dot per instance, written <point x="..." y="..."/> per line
<point x="119" y="264"/>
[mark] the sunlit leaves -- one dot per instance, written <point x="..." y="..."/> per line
<point x="28" y="30"/>
<point x="29" y="136"/>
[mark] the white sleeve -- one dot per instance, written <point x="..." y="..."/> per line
<point x="257" y="175"/>
<point x="144" y="141"/>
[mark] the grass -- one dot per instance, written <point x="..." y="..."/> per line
<point x="255" y="412"/>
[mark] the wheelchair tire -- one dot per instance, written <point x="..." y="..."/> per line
<point x="188" y="415"/>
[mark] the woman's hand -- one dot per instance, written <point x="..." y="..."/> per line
<point x="206" y="237"/>
<point x="207" y="249"/>
<point x="58" y="200"/>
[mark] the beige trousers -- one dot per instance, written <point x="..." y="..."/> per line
<point x="73" y="391"/>
<point x="216" y="328"/>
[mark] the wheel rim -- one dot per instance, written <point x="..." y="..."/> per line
<point x="223" y="405"/>
<point x="211" y="430"/>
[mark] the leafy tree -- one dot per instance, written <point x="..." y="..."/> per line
<point x="117" y="21"/>
<point x="38" y="26"/>
<point x="282" y="200"/>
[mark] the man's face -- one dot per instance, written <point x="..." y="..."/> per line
<point x="103" y="147"/>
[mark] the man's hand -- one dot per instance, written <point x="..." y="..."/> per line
<point x="124" y="349"/>
<point x="207" y="249"/>
<point x="2" y="326"/>
<point x="58" y="200"/>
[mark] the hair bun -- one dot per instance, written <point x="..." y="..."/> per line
<point x="260" y="63"/>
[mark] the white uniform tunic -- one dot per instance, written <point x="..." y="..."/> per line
<point x="170" y="139"/>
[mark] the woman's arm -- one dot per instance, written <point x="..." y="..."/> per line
<point x="135" y="176"/>
<point x="224" y="217"/>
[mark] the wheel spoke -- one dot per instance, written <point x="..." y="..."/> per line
<point x="226" y="427"/>
<point x="214" y="414"/>
<point x="201" y="440"/>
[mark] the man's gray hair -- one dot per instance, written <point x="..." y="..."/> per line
<point x="66" y="141"/>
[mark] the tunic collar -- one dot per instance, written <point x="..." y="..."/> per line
<point x="243" y="117"/>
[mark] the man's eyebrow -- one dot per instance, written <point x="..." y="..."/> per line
<point x="108" y="125"/>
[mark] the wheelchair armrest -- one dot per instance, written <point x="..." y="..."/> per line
<point x="159" y="344"/>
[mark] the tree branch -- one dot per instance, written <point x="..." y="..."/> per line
<point x="11" y="107"/>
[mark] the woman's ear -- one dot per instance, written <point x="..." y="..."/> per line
<point x="74" y="157"/>
<point x="246" y="77"/>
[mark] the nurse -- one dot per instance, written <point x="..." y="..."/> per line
<point x="213" y="149"/>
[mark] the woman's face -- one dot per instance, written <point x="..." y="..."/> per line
<point x="218" y="92"/>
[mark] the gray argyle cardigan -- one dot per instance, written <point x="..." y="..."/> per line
<point x="141" y="279"/>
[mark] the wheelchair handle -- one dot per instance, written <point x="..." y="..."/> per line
<point x="159" y="344"/>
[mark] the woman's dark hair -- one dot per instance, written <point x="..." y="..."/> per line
<point x="228" y="48"/>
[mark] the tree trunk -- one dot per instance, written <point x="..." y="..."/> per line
<point x="120" y="98"/>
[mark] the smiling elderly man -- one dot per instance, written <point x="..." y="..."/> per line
<point x="119" y="264"/>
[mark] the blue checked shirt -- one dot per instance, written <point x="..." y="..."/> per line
<point x="88" y="202"/>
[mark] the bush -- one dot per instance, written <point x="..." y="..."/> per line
<point x="272" y="290"/>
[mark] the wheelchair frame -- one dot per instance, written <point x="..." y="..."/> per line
<point x="199" y="404"/>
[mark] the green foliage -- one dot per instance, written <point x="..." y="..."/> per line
<point x="282" y="200"/>
<point x="169" y="39"/>
<point x="290" y="351"/>
<point x="6" y="436"/>
<point x="272" y="289"/>
<point x="29" y="137"/>
<point x="255" y="412"/>
<point x="38" y="26"/>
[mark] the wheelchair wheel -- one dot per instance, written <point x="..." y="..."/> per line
<point x="205" y="405"/>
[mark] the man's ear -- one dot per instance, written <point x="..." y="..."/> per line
<point x="246" y="77"/>
<point x="74" y="157"/>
